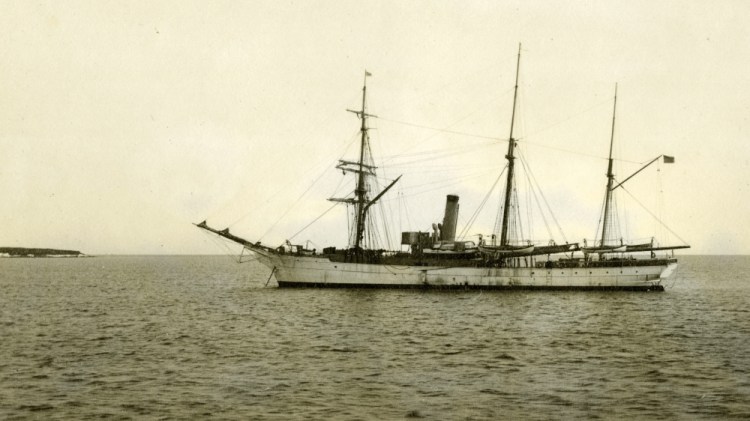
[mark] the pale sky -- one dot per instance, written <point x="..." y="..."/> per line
<point x="121" y="123"/>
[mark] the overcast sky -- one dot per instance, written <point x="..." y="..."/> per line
<point x="121" y="123"/>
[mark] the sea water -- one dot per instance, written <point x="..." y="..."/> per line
<point x="165" y="337"/>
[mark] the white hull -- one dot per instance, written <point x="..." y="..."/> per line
<point x="311" y="271"/>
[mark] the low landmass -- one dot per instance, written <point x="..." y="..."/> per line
<point x="37" y="252"/>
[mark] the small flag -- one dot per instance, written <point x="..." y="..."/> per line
<point x="668" y="159"/>
<point x="367" y="73"/>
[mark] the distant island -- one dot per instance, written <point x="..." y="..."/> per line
<point x="37" y="252"/>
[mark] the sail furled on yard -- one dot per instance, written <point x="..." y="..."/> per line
<point x="362" y="232"/>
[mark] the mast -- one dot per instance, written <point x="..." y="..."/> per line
<point x="509" y="156"/>
<point x="362" y="168"/>
<point x="360" y="191"/>
<point x="610" y="176"/>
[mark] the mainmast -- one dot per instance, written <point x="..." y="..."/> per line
<point x="610" y="176"/>
<point x="509" y="156"/>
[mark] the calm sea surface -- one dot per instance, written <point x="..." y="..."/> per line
<point x="200" y="337"/>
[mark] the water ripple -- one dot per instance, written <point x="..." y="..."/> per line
<point x="200" y="337"/>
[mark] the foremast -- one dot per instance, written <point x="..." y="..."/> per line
<point x="360" y="192"/>
<point x="362" y="168"/>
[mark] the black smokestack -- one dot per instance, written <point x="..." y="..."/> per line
<point x="450" y="219"/>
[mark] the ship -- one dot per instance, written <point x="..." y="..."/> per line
<point x="437" y="259"/>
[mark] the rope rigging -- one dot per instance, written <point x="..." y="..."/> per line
<point x="533" y="181"/>
<point x="454" y="174"/>
<point x="289" y="208"/>
<point x="441" y="130"/>
<point x="313" y="221"/>
<point x="654" y="216"/>
<point x="474" y="216"/>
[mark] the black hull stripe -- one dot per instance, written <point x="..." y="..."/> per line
<point x="656" y="288"/>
